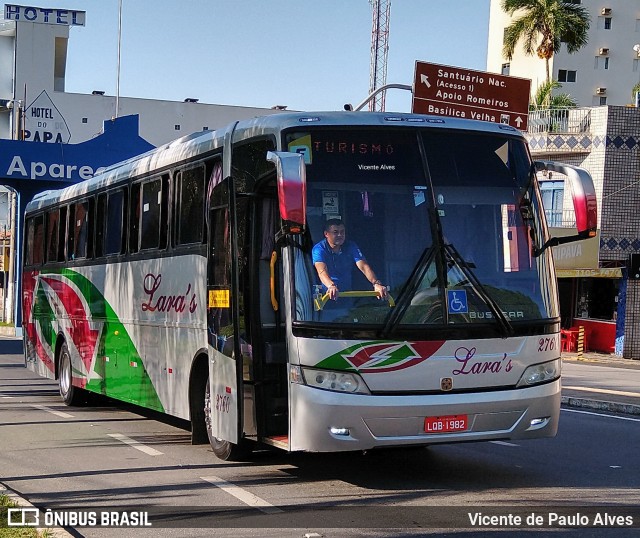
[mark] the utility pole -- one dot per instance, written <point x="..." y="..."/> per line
<point x="10" y="290"/>
<point x="381" y="10"/>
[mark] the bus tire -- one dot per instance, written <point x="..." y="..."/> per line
<point x="70" y="395"/>
<point x="224" y="450"/>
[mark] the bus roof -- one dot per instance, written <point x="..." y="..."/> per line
<point x="201" y="143"/>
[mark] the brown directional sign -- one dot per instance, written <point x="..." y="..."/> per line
<point x="443" y="90"/>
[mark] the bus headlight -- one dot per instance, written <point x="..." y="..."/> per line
<point x="335" y="381"/>
<point x="540" y="373"/>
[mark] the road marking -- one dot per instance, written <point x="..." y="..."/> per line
<point x="60" y="414"/>
<point x="243" y="495"/>
<point x="605" y="391"/>
<point x="135" y="444"/>
<point x="600" y="415"/>
<point x="503" y="443"/>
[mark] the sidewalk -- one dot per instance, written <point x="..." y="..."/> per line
<point x="602" y="394"/>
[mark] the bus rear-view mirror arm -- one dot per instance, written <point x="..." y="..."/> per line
<point x="292" y="190"/>
<point x="584" y="202"/>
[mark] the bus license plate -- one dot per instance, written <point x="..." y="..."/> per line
<point x="446" y="424"/>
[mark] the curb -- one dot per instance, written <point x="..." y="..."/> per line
<point x="55" y="532"/>
<point x="601" y="405"/>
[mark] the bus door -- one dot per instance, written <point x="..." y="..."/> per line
<point x="225" y="371"/>
<point x="271" y="374"/>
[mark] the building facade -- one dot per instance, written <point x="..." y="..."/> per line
<point x="34" y="105"/>
<point x="599" y="291"/>
<point x="603" y="72"/>
<point x="599" y="287"/>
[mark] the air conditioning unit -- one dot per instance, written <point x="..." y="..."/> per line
<point x="606" y="11"/>
<point x="604" y="51"/>
<point x="601" y="91"/>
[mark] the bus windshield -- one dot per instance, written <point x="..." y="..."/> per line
<point x="446" y="221"/>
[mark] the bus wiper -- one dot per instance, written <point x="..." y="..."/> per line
<point x="480" y="290"/>
<point x="413" y="282"/>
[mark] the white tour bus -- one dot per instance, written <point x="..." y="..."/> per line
<point x="183" y="281"/>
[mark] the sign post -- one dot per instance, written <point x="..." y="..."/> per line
<point x="477" y="95"/>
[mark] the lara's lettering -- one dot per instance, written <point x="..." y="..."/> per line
<point x="469" y="366"/>
<point x="157" y="302"/>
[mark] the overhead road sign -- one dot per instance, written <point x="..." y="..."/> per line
<point x="444" y="90"/>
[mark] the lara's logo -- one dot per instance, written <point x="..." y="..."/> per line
<point x="158" y="302"/>
<point x="469" y="366"/>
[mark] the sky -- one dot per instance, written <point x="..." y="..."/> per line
<point x="303" y="54"/>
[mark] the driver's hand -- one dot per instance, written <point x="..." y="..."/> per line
<point x="381" y="290"/>
<point x="333" y="292"/>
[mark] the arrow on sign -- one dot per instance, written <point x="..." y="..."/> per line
<point x="519" y="121"/>
<point x="425" y="80"/>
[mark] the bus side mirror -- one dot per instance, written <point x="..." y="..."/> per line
<point x="292" y="190"/>
<point x="584" y="201"/>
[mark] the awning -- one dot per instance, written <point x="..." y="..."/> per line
<point x="605" y="272"/>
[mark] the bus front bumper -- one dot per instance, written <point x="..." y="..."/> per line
<point x="324" y="421"/>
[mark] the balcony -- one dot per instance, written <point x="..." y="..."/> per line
<point x="560" y="120"/>
<point x="559" y="130"/>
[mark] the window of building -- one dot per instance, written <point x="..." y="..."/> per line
<point x="603" y="101"/>
<point x="601" y="62"/>
<point x="552" y="200"/>
<point x="607" y="23"/>
<point x="565" y="75"/>
<point x="506" y="68"/>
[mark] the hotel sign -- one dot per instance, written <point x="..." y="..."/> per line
<point x="44" y="15"/>
<point x="475" y="95"/>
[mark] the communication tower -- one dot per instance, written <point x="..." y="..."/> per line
<point x="379" y="51"/>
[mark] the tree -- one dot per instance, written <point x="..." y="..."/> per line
<point x="544" y="26"/>
<point x="634" y="91"/>
<point x="544" y="98"/>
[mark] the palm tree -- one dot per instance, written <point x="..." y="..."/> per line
<point x="544" y="98"/>
<point x="544" y="26"/>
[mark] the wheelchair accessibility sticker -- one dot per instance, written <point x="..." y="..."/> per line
<point x="457" y="302"/>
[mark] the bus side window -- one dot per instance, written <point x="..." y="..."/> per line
<point x="101" y="209"/>
<point x="35" y="241"/>
<point x="190" y="205"/>
<point x="134" y="219"/>
<point x="53" y="221"/>
<point x="79" y="228"/>
<point x="114" y="223"/>
<point x="62" y="234"/>
<point x="153" y="220"/>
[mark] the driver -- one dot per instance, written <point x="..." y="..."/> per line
<point x="334" y="257"/>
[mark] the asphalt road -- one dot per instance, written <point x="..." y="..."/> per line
<point x="117" y="459"/>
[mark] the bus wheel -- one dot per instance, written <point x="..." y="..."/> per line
<point x="70" y="395"/>
<point x="224" y="450"/>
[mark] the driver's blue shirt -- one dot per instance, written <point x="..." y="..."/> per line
<point x="339" y="264"/>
